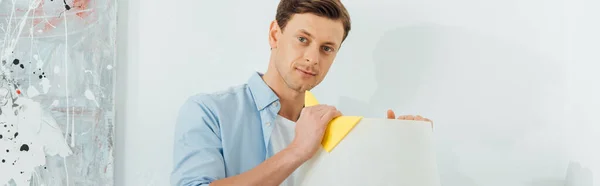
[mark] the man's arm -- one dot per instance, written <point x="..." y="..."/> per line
<point x="197" y="150"/>
<point x="271" y="172"/>
<point x="197" y="157"/>
<point x="309" y="131"/>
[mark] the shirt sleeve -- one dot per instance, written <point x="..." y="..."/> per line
<point x="197" y="149"/>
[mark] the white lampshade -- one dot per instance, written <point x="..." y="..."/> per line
<point x="377" y="152"/>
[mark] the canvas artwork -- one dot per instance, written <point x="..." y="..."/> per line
<point x="57" y="81"/>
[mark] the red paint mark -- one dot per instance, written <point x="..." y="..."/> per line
<point x="38" y="11"/>
<point x="81" y="5"/>
<point x="18" y="91"/>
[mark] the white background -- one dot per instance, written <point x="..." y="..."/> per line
<point x="511" y="85"/>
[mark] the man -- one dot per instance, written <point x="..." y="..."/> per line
<point x="260" y="133"/>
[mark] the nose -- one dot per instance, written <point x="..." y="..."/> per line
<point x="311" y="56"/>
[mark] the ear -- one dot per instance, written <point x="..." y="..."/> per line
<point x="274" y="34"/>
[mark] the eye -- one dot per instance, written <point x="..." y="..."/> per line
<point x="327" y="49"/>
<point x="302" y="39"/>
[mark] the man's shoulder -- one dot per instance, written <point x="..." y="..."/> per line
<point x="233" y="95"/>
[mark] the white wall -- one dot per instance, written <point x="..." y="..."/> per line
<point x="509" y="84"/>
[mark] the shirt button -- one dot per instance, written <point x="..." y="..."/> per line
<point x="268" y="124"/>
<point x="276" y="104"/>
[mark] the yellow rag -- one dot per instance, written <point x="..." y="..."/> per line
<point x="337" y="129"/>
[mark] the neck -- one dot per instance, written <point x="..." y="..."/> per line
<point x="291" y="100"/>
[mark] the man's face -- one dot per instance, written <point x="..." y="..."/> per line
<point x="305" y="50"/>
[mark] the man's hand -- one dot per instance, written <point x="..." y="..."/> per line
<point x="310" y="129"/>
<point x="391" y="115"/>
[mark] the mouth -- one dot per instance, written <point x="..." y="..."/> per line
<point x="310" y="73"/>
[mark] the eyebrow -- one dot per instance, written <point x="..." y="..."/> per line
<point x="309" y="35"/>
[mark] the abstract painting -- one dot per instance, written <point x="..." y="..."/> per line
<point x="57" y="81"/>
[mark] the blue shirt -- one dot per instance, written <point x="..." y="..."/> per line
<point x="223" y="134"/>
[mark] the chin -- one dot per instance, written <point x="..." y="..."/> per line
<point x="307" y="87"/>
<point x="300" y="87"/>
<point x="300" y="84"/>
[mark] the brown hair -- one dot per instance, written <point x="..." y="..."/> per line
<point x="332" y="9"/>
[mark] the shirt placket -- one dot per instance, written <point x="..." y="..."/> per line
<point x="268" y="116"/>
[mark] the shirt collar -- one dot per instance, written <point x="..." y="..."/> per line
<point x="263" y="95"/>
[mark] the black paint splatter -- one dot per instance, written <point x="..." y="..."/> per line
<point x="16" y="134"/>
<point x="24" y="147"/>
<point x="7" y="150"/>
<point x="3" y="160"/>
<point x="5" y="125"/>
<point x="16" y="61"/>
<point x="41" y="74"/>
<point x="66" y="5"/>
<point x="22" y="66"/>
<point x="0" y="136"/>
